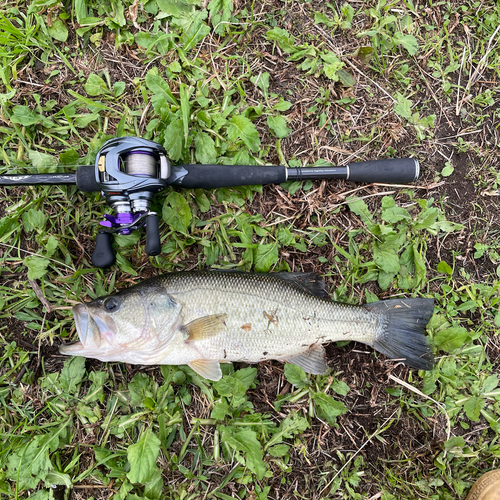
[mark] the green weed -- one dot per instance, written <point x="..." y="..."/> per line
<point x="226" y="82"/>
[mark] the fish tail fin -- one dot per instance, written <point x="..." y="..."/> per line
<point x="401" y="335"/>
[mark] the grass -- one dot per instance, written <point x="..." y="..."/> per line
<point x="262" y="82"/>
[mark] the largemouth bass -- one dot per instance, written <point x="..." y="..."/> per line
<point x="204" y="318"/>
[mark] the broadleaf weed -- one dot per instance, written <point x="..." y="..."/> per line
<point x="200" y="85"/>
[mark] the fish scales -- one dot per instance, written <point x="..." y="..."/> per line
<point x="267" y="318"/>
<point x="204" y="318"/>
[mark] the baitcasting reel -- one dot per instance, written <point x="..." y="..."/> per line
<point x="128" y="171"/>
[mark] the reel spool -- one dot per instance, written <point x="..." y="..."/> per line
<point x="141" y="163"/>
<point x="129" y="171"/>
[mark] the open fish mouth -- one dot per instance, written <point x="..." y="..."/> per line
<point x="74" y="348"/>
<point x="82" y="319"/>
<point x="85" y="327"/>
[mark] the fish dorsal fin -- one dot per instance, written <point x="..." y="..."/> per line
<point x="312" y="361"/>
<point x="310" y="282"/>
<point x="204" y="327"/>
<point x="208" y="368"/>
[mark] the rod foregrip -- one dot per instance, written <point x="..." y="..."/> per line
<point x="391" y="171"/>
<point x="219" y="176"/>
<point x="86" y="179"/>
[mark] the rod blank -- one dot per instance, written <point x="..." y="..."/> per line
<point x="37" y="179"/>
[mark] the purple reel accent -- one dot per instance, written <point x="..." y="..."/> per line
<point x="120" y="220"/>
<point x="140" y="151"/>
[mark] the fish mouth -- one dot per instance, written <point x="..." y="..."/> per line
<point x="74" y="348"/>
<point x="82" y="320"/>
<point x="85" y="327"/>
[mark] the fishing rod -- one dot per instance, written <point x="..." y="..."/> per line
<point x="129" y="171"/>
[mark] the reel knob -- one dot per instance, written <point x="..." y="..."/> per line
<point x="103" y="255"/>
<point x="153" y="245"/>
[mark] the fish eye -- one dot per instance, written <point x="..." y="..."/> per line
<point x="110" y="304"/>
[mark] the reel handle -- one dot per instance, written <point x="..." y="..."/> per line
<point x="103" y="255"/>
<point x="153" y="245"/>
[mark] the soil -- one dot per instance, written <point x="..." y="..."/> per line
<point x="463" y="195"/>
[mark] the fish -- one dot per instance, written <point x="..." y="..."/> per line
<point x="204" y="318"/>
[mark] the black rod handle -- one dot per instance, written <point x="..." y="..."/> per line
<point x="218" y="176"/>
<point x="391" y="171"/>
<point x="103" y="255"/>
<point x="153" y="245"/>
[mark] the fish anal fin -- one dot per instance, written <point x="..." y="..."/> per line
<point x="205" y="327"/>
<point x="312" y="361"/>
<point x="208" y="368"/>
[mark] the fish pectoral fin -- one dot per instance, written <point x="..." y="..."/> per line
<point x="208" y="368"/>
<point x="205" y="327"/>
<point x="312" y="361"/>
